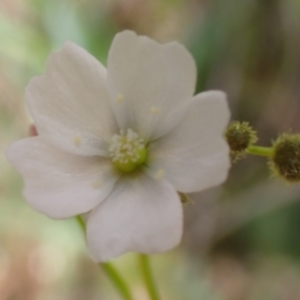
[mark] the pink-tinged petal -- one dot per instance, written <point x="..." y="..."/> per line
<point x="70" y="103"/>
<point x="149" y="83"/>
<point x="141" y="214"/>
<point x="59" y="184"/>
<point x="194" y="155"/>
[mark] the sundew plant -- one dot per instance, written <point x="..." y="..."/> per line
<point x="149" y="143"/>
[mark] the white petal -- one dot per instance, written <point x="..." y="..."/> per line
<point x="195" y="155"/>
<point x="70" y="105"/>
<point x="60" y="184"/>
<point x="149" y="82"/>
<point x="141" y="214"/>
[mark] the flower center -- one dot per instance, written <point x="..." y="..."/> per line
<point x="127" y="150"/>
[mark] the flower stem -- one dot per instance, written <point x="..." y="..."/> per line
<point x="111" y="272"/>
<point x="81" y="222"/>
<point x="117" y="280"/>
<point x="148" y="277"/>
<point x="261" y="151"/>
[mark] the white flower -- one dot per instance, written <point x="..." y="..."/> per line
<point x="120" y="142"/>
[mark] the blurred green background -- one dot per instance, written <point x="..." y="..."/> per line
<point x="242" y="240"/>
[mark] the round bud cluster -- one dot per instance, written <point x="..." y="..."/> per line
<point x="285" y="161"/>
<point x="240" y="136"/>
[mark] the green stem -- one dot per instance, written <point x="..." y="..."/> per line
<point x="111" y="272"/>
<point x="117" y="280"/>
<point x="261" y="151"/>
<point x="148" y="277"/>
<point x="81" y="222"/>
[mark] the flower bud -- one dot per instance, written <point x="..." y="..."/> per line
<point x="240" y="136"/>
<point x="285" y="161"/>
<point x="32" y="130"/>
<point x="185" y="199"/>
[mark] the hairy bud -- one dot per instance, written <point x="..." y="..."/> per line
<point x="285" y="161"/>
<point x="240" y="136"/>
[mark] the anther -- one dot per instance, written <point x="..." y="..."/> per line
<point x="77" y="140"/>
<point x="155" y="110"/>
<point x="97" y="184"/>
<point x="160" y="174"/>
<point x="120" y="98"/>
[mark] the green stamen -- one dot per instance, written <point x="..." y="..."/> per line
<point x="130" y="165"/>
<point x="128" y="151"/>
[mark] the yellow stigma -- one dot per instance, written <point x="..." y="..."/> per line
<point x="127" y="151"/>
